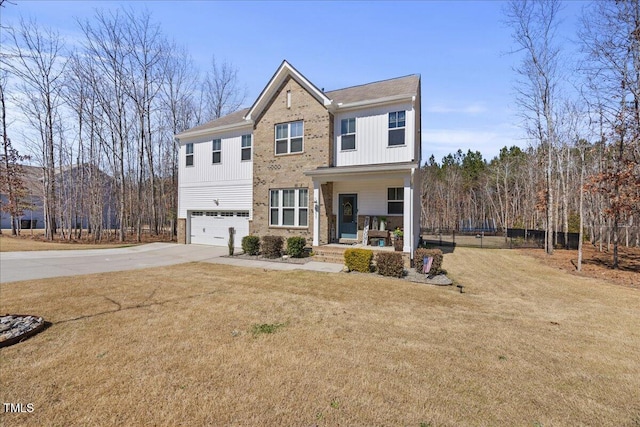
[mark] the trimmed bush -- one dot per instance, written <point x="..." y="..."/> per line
<point x="390" y="264"/>
<point x="272" y="246"/>
<point x="295" y="246"/>
<point x="251" y="245"/>
<point x="436" y="266"/>
<point x="358" y="260"/>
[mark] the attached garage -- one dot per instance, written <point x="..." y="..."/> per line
<point x="212" y="227"/>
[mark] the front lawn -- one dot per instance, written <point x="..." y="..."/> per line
<point x="206" y="344"/>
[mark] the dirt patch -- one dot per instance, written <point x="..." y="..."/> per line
<point x="595" y="263"/>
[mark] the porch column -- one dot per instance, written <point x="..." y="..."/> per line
<point x="407" y="217"/>
<point x="316" y="213"/>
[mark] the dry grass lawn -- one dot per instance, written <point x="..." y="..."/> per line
<point x="25" y="242"/>
<point x="525" y="345"/>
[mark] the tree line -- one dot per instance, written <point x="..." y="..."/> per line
<point x="105" y="107"/>
<point x="581" y="170"/>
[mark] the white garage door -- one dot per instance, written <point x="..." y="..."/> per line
<point x="212" y="227"/>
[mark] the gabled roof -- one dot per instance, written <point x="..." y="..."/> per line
<point x="390" y="90"/>
<point x="284" y="70"/>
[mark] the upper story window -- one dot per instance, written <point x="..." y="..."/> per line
<point x="246" y="147"/>
<point x="289" y="207"/>
<point x="348" y="131"/>
<point x="289" y="137"/>
<point x="189" y="157"/>
<point x="217" y="151"/>
<point x="395" y="201"/>
<point x="396" y="128"/>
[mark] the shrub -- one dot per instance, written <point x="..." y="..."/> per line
<point x="436" y="254"/>
<point x="358" y="260"/>
<point x="295" y="246"/>
<point x="390" y="264"/>
<point x="251" y="245"/>
<point x="272" y="246"/>
<point x="231" y="243"/>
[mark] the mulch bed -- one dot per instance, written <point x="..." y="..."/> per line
<point x="596" y="264"/>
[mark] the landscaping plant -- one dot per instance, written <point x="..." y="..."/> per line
<point x="390" y="264"/>
<point x="358" y="260"/>
<point x="272" y="246"/>
<point x="251" y="245"/>
<point x="295" y="246"/>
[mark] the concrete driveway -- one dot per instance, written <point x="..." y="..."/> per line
<point x="15" y="266"/>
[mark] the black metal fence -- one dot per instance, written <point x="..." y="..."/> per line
<point x="515" y="238"/>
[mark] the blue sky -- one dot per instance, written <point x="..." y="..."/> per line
<point x="458" y="47"/>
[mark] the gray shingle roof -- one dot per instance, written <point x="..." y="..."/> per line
<point x="229" y="119"/>
<point x="407" y="85"/>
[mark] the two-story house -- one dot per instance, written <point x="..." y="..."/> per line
<point x="304" y="162"/>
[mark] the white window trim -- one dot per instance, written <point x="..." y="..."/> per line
<point x="296" y="208"/>
<point x="187" y="155"/>
<point x="213" y="151"/>
<point x="389" y="129"/>
<point x="349" y="133"/>
<point x="288" y="138"/>
<point x="248" y="147"/>
<point x="395" y="200"/>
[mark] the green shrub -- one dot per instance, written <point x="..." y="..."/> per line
<point x="272" y="246"/>
<point x="295" y="246"/>
<point x="251" y="245"/>
<point x="436" y="266"/>
<point x="390" y="264"/>
<point x="358" y="260"/>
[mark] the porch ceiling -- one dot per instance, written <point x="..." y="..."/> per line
<point x="345" y="173"/>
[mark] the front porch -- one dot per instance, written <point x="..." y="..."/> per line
<point x="334" y="252"/>
<point x="350" y="202"/>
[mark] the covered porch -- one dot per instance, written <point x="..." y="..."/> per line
<point x="364" y="204"/>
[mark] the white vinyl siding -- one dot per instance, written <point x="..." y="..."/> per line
<point x="205" y="172"/>
<point x="289" y="207"/>
<point x="372" y="136"/>
<point x="372" y="194"/>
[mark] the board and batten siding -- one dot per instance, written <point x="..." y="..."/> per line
<point x="231" y="168"/>
<point x="229" y="183"/>
<point x="372" y="194"/>
<point x="372" y="137"/>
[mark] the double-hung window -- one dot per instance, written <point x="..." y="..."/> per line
<point x="217" y="151"/>
<point x="189" y="156"/>
<point x="396" y="128"/>
<point x="246" y="147"/>
<point x="289" y="137"/>
<point x="348" y="131"/>
<point x="289" y="207"/>
<point x="395" y="201"/>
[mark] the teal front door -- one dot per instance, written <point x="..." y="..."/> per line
<point x="348" y="216"/>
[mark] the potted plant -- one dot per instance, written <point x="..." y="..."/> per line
<point x="382" y="223"/>
<point x="398" y="241"/>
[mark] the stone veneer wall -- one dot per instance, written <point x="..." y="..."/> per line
<point x="182" y="230"/>
<point x="287" y="171"/>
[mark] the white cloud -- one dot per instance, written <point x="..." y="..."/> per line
<point x="475" y="108"/>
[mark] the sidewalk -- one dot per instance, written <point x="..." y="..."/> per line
<point x="325" y="267"/>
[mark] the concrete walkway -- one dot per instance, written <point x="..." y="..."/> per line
<point x="16" y="266"/>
